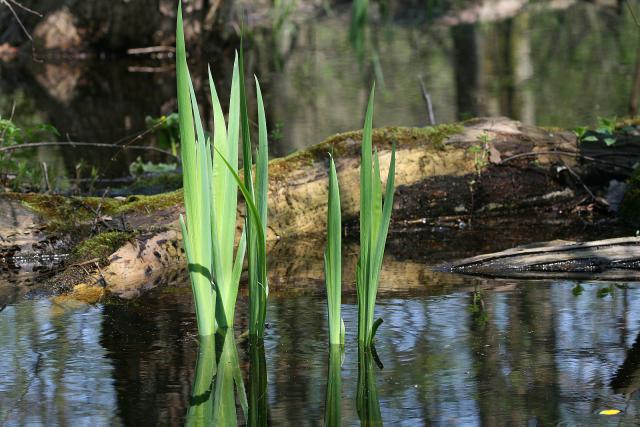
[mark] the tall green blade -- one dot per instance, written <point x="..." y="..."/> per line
<point x="333" y="258"/>
<point x="386" y="216"/>
<point x="261" y="192"/>
<point x="195" y="188"/>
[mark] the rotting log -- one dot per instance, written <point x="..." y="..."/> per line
<point x="610" y="259"/>
<point x="446" y="175"/>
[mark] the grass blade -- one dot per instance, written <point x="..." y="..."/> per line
<point x="195" y="187"/>
<point x="333" y="258"/>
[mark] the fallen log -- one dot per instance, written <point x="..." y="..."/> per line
<point x="610" y="259"/>
<point x="447" y="176"/>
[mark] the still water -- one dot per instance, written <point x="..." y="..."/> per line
<point x="490" y="352"/>
<point x="554" y="64"/>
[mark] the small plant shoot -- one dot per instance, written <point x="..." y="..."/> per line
<point x="333" y="259"/>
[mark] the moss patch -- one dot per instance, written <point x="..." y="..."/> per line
<point x="401" y="136"/>
<point x="145" y="204"/>
<point x="100" y="246"/>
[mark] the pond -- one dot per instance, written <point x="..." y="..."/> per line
<point x="494" y="352"/>
<point x="561" y="64"/>
<point x="453" y="350"/>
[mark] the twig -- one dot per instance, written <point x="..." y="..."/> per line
<point x="150" y="49"/>
<point x="15" y="15"/>
<point x="88" y="144"/>
<point x="46" y="176"/>
<point x="427" y="100"/>
<point x="25" y="8"/>
<point x="565" y="153"/>
<point x="577" y="177"/>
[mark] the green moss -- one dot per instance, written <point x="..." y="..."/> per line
<point x="65" y="213"/>
<point x="100" y="246"/>
<point x="144" y="204"/>
<point x="401" y="136"/>
<point x="62" y="213"/>
<point x="553" y="129"/>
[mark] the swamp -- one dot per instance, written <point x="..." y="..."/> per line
<point x="419" y="212"/>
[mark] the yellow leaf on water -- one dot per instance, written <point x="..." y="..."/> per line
<point x="609" y="412"/>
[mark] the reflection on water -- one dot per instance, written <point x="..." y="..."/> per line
<point x="218" y="376"/>
<point x="54" y="369"/>
<point x="539" y="355"/>
<point x="562" y="66"/>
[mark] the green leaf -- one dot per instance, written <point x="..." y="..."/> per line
<point x="609" y="141"/>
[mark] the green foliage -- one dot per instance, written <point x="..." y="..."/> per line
<point x="210" y="198"/>
<point x="166" y="130"/>
<point x="577" y="290"/>
<point x="20" y="173"/>
<point x="374" y="225"/>
<point x="584" y="134"/>
<point x="139" y="167"/>
<point x="255" y="196"/>
<point x="333" y="260"/>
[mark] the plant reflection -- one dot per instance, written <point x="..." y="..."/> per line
<point x="367" y="402"/>
<point x="332" y="414"/>
<point x="218" y="377"/>
<point x="257" y="384"/>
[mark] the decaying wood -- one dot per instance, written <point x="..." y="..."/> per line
<point x="610" y="259"/>
<point x="445" y="176"/>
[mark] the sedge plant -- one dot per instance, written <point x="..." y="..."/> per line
<point x="333" y="259"/>
<point x="255" y="196"/>
<point x="374" y="225"/>
<point x="210" y="198"/>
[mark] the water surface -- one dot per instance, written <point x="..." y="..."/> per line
<point x="491" y="352"/>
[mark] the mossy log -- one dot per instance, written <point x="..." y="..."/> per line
<point x="445" y="175"/>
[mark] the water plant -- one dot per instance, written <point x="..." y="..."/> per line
<point x="374" y="225"/>
<point x="333" y="259"/>
<point x="210" y="198"/>
<point x="256" y="201"/>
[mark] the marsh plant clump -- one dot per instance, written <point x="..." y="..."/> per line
<point x="211" y="184"/>
<point x="374" y="226"/>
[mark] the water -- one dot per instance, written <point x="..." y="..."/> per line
<point x="562" y="67"/>
<point x="530" y="353"/>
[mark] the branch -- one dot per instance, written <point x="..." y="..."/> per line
<point x="84" y="144"/>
